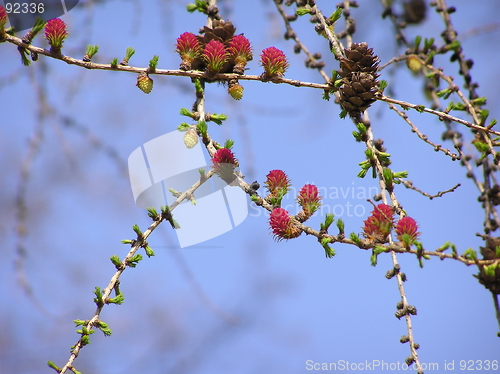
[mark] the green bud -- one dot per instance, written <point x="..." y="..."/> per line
<point x="127" y="241"/>
<point x="98" y="299"/>
<point x="116" y="261"/>
<point x="186" y="112"/>
<point x="387" y="174"/>
<point x="119" y="299"/>
<point x="444" y="247"/>
<point x="137" y="230"/>
<point x="104" y="328"/>
<point x="129" y="52"/>
<point x="329" y="218"/>
<point x="149" y="251"/>
<point x="202" y="128"/>
<point x="428" y="43"/>
<point x="418" y="40"/>
<point x="362" y="173"/>
<point x="91" y="51"/>
<point x="152" y="213"/>
<point x="444" y="93"/>
<point x="479" y="101"/>
<point x="340" y="226"/>
<point x="53" y="366"/>
<point x="85" y="340"/>
<point x="183" y="127"/>
<point x="199" y="5"/>
<point x="454" y="250"/>
<point x="218" y="118"/>
<point x="490" y="270"/>
<point x="453" y="46"/>
<point x="191" y="8"/>
<point x="134" y="260"/>
<point x="153" y="63"/>
<point x="336" y="15"/>
<point x="483" y="113"/>
<point x="114" y="63"/>
<point x="355" y="238"/>
<point x="470" y="254"/>
<point x="329" y="251"/>
<point x="400" y="174"/>
<point x="357" y="136"/>
<point x="361" y="128"/>
<point x="302" y="11"/>
<point x="255" y="198"/>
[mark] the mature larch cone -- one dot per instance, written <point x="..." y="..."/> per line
<point x="359" y="77"/>
<point x="415" y="11"/>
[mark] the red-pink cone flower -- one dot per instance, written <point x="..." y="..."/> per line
<point x="224" y="164"/>
<point x="215" y="55"/>
<point x="3" y="18"/>
<point x="406" y="229"/>
<point x="282" y="225"/>
<point x="55" y="33"/>
<point x="379" y="225"/>
<point x="241" y="52"/>
<point x="277" y="182"/>
<point x="189" y="48"/>
<point x="309" y="200"/>
<point x="274" y="62"/>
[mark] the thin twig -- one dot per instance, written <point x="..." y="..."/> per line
<point x="180" y="73"/>
<point x="409" y="184"/>
<point x="437" y="147"/>
<point x="292" y="34"/>
<point x="438" y="113"/>
<point x="137" y="244"/>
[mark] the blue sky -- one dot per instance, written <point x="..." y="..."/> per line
<point x="241" y="302"/>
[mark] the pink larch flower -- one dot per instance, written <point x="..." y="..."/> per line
<point x="379" y="225"/>
<point x="241" y="52"/>
<point x="282" y="225"/>
<point x="274" y="62"/>
<point x="189" y="48"/>
<point x="3" y="17"/>
<point x="55" y="33"/>
<point x="215" y="55"/>
<point x="309" y="199"/>
<point x="224" y="164"/>
<point x="277" y="182"/>
<point x="406" y="229"/>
